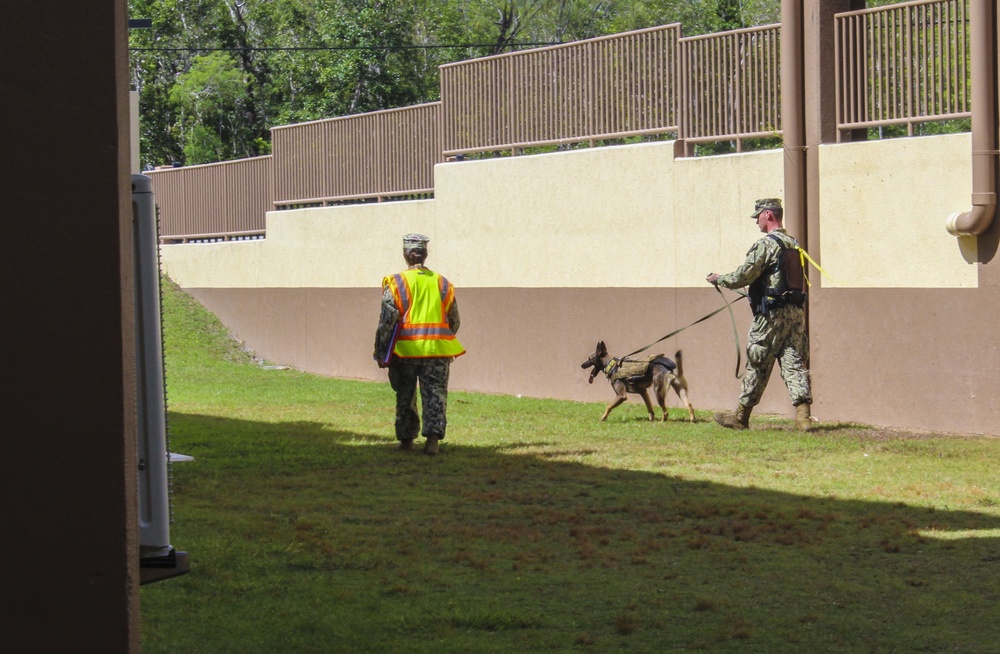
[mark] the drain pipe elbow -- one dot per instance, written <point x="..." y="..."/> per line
<point x="975" y="222"/>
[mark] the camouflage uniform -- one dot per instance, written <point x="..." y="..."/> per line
<point x="779" y="335"/>
<point x="404" y="375"/>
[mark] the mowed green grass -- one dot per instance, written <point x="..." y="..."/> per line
<point x="539" y="529"/>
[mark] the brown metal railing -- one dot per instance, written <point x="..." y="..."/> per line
<point x="730" y="86"/>
<point x="376" y="155"/>
<point x="213" y="202"/>
<point x="902" y="64"/>
<point x="603" y="88"/>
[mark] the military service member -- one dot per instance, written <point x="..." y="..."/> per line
<point x="416" y="341"/>
<point x="778" y="329"/>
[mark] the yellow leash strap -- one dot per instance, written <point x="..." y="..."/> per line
<point x="803" y="257"/>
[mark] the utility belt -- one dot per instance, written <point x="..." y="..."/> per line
<point x="774" y="298"/>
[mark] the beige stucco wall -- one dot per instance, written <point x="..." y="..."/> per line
<point x="883" y="210"/>
<point x="333" y="247"/>
<point x="629" y="216"/>
<point x="576" y="219"/>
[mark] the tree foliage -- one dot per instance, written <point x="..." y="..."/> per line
<point x="212" y="103"/>
<point x="214" y="76"/>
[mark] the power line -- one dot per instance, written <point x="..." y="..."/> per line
<point x="344" y="47"/>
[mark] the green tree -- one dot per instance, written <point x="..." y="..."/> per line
<point x="212" y="103"/>
<point x="697" y="16"/>
<point x="278" y="62"/>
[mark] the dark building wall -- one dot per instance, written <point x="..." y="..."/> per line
<point x="69" y="539"/>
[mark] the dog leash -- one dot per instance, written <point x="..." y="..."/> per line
<point x="736" y="334"/>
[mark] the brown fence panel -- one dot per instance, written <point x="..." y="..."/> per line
<point x="900" y="64"/>
<point x="903" y="64"/>
<point x="609" y="87"/>
<point x="171" y="201"/>
<point x="379" y="155"/>
<point x="731" y="85"/>
<point x="219" y="201"/>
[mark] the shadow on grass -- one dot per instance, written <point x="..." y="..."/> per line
<point x="303" y="538"/>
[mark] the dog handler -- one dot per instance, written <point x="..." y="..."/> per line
<point x="778" y="329"/>
<point x="416" y="341"/>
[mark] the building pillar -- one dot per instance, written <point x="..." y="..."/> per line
<point x="819" y="115"/>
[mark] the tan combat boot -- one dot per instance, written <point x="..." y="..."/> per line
<point x="803" y="421"/>
<point x="738" y="419"/>
<point x="431" y="446"/>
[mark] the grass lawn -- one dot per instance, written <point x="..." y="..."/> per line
<point x="539" y="529"/>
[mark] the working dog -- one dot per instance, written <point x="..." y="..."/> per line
<point x="661" y="373"/>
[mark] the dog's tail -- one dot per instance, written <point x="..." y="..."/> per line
<point x="679" y="360"/>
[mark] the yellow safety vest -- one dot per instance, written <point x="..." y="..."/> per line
<point x="423" y="298"/>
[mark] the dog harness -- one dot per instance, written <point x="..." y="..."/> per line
<point x="626" y="369"/>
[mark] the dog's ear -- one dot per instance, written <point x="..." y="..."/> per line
<point x="601" y="346"/>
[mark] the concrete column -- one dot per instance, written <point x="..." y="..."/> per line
<point x="70" y="577"/>
<point x="819" y="102"/>
<point x="793" y="118"/>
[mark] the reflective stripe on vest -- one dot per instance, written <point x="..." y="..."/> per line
<point x="423" y="298"/>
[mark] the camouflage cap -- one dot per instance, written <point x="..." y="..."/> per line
<point x="415" y="242"/>
<point x="765" y="204"/>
